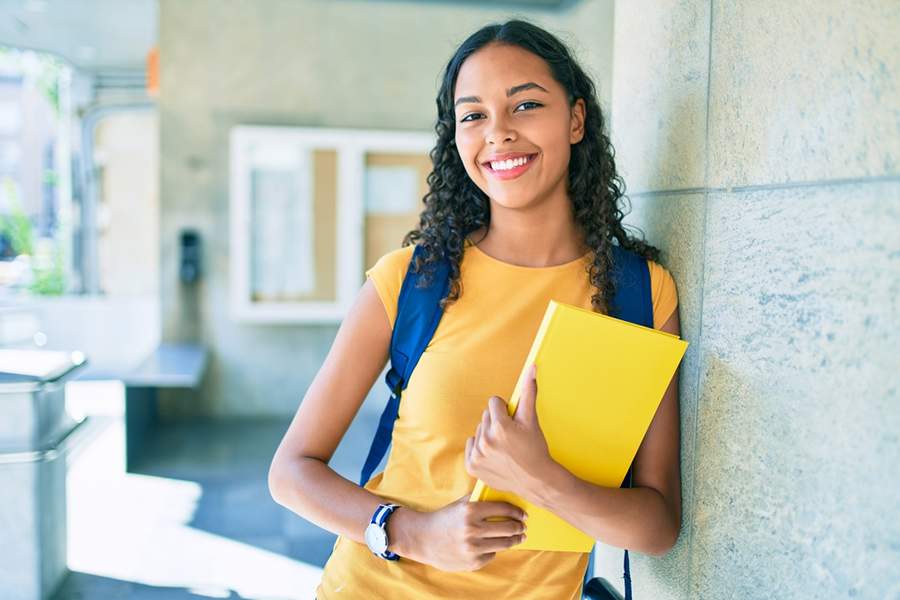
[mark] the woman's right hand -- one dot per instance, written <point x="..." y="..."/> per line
<point x="458" y="537"/>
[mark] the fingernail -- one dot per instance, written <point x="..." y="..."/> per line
<point x="525" y="517"/>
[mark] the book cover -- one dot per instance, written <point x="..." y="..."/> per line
<point x="600" y="381"/>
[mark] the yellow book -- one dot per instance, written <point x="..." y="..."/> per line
<point x="600" y="381"/>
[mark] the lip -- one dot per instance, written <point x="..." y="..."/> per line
<point x="510" y="173"/>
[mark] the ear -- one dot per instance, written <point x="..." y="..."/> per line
<point x="576" y="127"/>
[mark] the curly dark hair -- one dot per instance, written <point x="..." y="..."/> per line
<point x="455" y="206"/>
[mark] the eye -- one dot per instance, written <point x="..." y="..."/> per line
<point x="536" y="104"/>
<point x="526" y="103"/>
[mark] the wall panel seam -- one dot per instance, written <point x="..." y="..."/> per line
<point x="738" y="189"/>
<point x="702" y="291"/>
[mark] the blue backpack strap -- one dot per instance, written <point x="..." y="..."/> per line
<point x="633" y="302"/>
<point x="418" y="315"/>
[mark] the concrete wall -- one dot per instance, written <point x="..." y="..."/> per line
<point x="759" y="142"/>
<point x="335" y="63"/>
<point x="83" y="323"/>
<point x="126" y="152"/>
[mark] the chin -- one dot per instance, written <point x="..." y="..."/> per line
<point x="512" y="201"/>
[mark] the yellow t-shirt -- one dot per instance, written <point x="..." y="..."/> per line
<point x="492" y="325"/>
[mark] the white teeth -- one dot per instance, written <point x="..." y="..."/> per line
<point x="504" y="165"/>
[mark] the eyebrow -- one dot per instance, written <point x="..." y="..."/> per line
<point x="510" y="92"/>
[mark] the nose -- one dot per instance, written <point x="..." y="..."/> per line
<point x="500" y="131"/>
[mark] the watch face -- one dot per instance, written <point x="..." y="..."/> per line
<point x="376" y="538"/>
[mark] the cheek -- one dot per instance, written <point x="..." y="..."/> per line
<point x="468" y="152"/>
<point x="558" y="152"/>
<point x="563" y="156"/>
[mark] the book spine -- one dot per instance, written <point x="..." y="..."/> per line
<point x="481" y="490"/>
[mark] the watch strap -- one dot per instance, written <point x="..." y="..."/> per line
<point x="380" y="518"/>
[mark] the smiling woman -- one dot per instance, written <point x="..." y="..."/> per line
<point x="528" y="128"/>
<point x="524" y="207"/>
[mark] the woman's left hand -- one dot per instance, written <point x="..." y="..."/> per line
<point x="509" y="453"/>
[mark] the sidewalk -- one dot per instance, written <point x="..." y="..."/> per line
<point x="196" y="519"/>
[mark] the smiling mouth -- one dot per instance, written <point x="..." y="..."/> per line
<point x="508" y="169"/>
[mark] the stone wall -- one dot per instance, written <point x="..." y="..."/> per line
<point x="759" y="142"/>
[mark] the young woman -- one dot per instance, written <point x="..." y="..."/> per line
<point x="524" y="201"/>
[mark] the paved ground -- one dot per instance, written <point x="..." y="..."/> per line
<point x="195" y="519"/>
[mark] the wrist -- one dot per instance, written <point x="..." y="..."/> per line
<point x="401" y="531"/>
<point x="552" y="482"/>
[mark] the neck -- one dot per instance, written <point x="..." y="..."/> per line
<point x="541" y="236"/>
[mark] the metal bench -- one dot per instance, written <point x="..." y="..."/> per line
<point x="170" y="366"/>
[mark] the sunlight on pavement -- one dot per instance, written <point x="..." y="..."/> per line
<point x="135" y="528"/>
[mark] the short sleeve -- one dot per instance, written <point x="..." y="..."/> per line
<point x="664" y="293"/>
<point x="387" y="276"/>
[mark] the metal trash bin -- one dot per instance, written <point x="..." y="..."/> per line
<point x="35" y="432"/>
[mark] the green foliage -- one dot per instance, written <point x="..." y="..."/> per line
<point x="50" y="281"/>
<point x="48" y="79"/>
<point x="48" y="76"/>
<point x="51" y="177"/>
<point x="47" y="262"/>
<point x="16" y="225"/>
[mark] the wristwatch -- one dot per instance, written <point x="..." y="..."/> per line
<point x="376" y="534"/>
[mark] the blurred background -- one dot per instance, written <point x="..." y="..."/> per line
<point x="191" y="191"/>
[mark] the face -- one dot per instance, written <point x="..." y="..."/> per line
<point x="514" y="126"/>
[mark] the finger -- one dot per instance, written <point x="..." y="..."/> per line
<point x="484" y="559"/>
<point x="526" y="410"/>
<point x="495" y="544"/>
<point x="489" y="529"/>
<point x="494" y="508"/>
<point x="481" y="436"/>
<point x="497" y="409"/>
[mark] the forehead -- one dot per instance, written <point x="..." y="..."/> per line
<point x="497" y="67"/>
